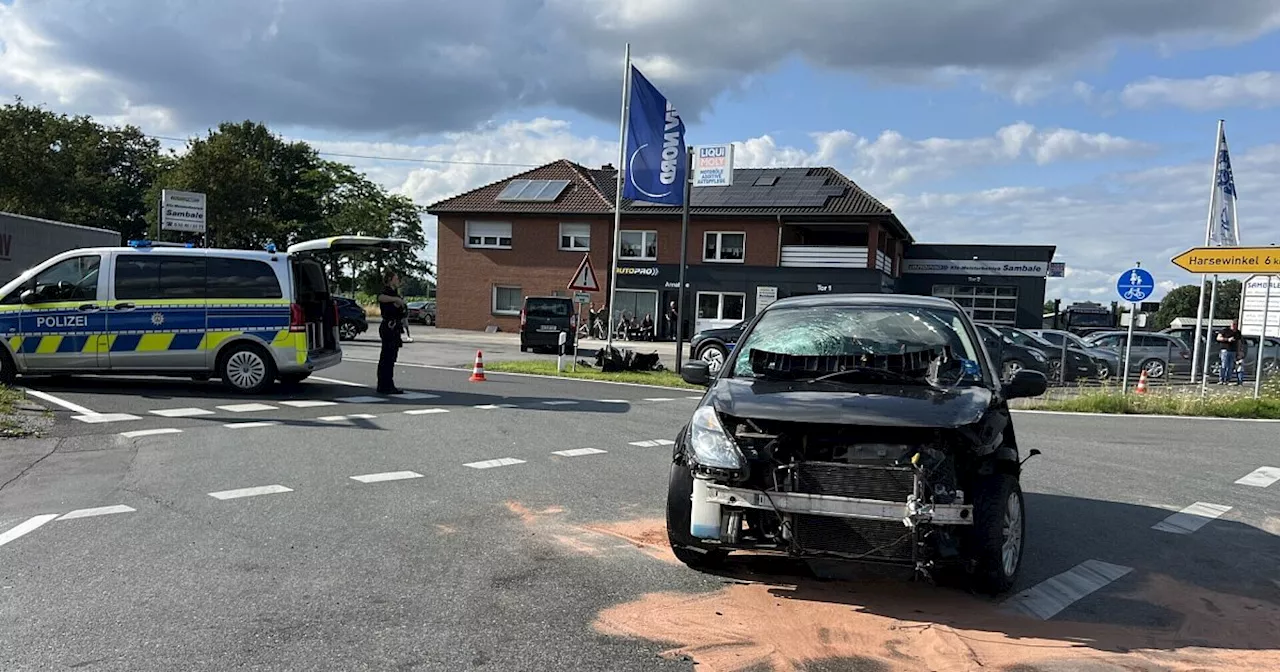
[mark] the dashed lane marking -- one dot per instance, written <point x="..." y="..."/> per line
<point x="98" y="418"/>
<point x="560" y="402"/>
<point x="494" y="407"/>
<point x="335" y="381"/>
<point x="361" y="399"/>
<point x="1191" y="518"/>
<point x="307" y="403"/>
<point x="1261" y="477"/>
<point x="75" y="408"/>
<point x="181" y="412"/>
<point x="614" y="401"/>
<point x="578" y="452"/>
<point x="246" y="408"/>
<point x="25" y="527"/>
<point x="99" y="511"/>
<point x="660" y="399"/>
<point x="425" y="411"/>
<point x="150" y="432"/>
<point x="653" y="443"/>
<point x="417" y="396"/>
<point x="250" y="492"/>
<point x="340" y="418"/>
<point x="696" y="397"/>
<point x="1049" y="597"/>
<point x="251" y="425"/>
<point x="386" y="476"/>
<point x="489" y="464"/>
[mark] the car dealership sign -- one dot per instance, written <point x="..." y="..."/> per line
<point x="1029" y="269"/>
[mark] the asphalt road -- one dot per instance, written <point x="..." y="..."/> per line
<point x="497" y="553"/>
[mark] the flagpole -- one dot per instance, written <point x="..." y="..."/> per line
<point x="617" y="202"/>
<point x="1204" y="379"/>
<point x="1208" y="240"/>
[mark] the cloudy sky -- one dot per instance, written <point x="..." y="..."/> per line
<point x="1087" y="124"/>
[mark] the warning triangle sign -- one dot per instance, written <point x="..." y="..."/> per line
<point x="585" y="279"/>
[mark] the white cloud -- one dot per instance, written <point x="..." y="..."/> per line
<point x="1255" y="89"/>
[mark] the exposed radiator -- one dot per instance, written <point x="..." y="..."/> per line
<point x="869" y="539"/>
<point x="893" y="484"/>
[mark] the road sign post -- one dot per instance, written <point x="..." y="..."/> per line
<point x="1262" y="340"/>
<point x="1255" y="321"/>
<point x="1204" y="366"/>
<point x="1135" y="286"/>
<point x="584" y="280"/>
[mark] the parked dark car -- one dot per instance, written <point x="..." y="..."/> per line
<point x="543" y="319"/>
<point x="713" y="345"/>
<point x="863" y="427"/>
<point x="1080" y="365"/>
<point x="1108" y="359"/>
<point x="351" y="318"/>
<point x="422" y="312"/>
<point x="1157" y="354"/>
<point x="1012" y="357"/>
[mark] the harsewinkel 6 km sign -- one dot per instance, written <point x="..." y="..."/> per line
<point x="1230" y="260"/>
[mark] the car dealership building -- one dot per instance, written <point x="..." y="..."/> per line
<point x="775" y="233"/>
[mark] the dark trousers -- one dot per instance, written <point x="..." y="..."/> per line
<point x="387" y="357"/>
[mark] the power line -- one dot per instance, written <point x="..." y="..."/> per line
<point x="371" y="157"/>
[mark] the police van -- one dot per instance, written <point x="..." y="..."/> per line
<point x="247" y="317"/>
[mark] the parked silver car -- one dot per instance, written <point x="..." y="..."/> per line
<point x="1110" y="360"/>
<point x="1157" y="354"/>
<point x="1270" y="359"/>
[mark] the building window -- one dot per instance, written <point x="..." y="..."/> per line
<point x="490" y="235"/>
<point x="721" y="306"/>
<point x="724" y="246"/>
<point x="575" y="237"/>
<point x="639" y="245"/>
<point x="991" y="305"/>
<point x="507" y="300"/>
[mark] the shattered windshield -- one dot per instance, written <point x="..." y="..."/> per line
<point x="930" y="345"/>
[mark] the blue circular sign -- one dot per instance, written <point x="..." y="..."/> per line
<point x="1135" y="285"/>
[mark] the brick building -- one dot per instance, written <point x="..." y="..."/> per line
<point x="776" y="232"/>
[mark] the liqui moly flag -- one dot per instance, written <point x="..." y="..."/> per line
<point x="1224" y="231"/>
<point x="656" y="164"/>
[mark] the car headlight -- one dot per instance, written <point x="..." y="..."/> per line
<point x="712" y="446"/>
<point x="1038" y="357"/>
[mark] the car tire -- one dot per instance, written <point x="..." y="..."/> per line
<point x="715" y="355"/>
<point x="524" y="348"/>
<point x="1154" y="367"/>
<point x="246" y="368"/>
<point x="686" y="548"/>
<point x="8" y="370"/>
<point x="293" y="378"/>
<point x="997" y="539"/>
<point x="347" y="331"/>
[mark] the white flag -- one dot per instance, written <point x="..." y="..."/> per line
<point x="1224" y="232"/>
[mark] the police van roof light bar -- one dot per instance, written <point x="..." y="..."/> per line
<point x="158" y="243"/>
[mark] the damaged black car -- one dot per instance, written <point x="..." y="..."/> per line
<point x="870" y="428"/>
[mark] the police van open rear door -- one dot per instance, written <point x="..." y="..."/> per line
<point x="316" y="311"/>
<point x="346" y="244"/>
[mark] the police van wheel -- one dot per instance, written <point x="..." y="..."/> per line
<point x="8" y="372"/>
<point x="246" y="368"/>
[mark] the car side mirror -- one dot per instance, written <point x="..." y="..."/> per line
<point x="1026" y="383"/>
<point x="696" y="373"/>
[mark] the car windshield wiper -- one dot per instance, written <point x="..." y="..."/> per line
<point x="872" y="372"/>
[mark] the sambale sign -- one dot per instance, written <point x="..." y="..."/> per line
<point x="713" y="166"/>
<point x="182" y="211"/>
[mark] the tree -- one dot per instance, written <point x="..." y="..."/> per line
<point x="1181" y="302"/>
<point x="75" y="170"/>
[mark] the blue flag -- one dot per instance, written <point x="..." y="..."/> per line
<point x="656" y="163"/>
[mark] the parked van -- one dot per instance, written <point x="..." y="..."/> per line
<point x="543" y="319"/>
<point x="246" y="317"/>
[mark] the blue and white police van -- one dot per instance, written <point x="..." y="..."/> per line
<point x="247" y="317"/>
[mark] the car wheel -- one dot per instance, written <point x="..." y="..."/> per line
<point x="246" y="368"/>
<point x="686" y="548"/>
<point x="714" y="355"/>
<point x="524" y="348"/>
<point x="1010" y="368"/>
<point x="347" y="331"/>
<point x="1154" y="368"/>
<point x="998" y="534"/>
<point x="1055" y="371"/>
<point x="8" y="371"/>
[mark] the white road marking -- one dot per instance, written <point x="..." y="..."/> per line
<point x="1049" y="597"/>
<point x="560" y="402"/>
<point x="181" y="412"/>
<point x="467" y="370"/>
<point x="100" y="511"/>
<point x="492" y="407"/>
<point x="1114" y="416"/>
<point x="77" y="408"/>
<point x="1261" y="477"/>
<point x="340" y="418"/>
<point x="614" y="401"/>
<point x="386" y="476"/>
<point x="308" y="403"/>
<point x="694" y="397"/>
<point x="150" y="432"/>
<point x="246" y="408"/>
<point x="365" y="399"/>
<point x="25" y="527"/>
<point x="1191" y="518"/>
<point x="578" y="452"/>
<point x="415" y="396"/>
<point x="97" y="418"/>
<point x="662" y="399"/>
<point x="251" y="425"/>
<point x="335" y="381"/>
<point x="645" y="444"/>
<point x="425" y="411"/>
<point x="250" y="492"/>
<point x="489" y="464"/>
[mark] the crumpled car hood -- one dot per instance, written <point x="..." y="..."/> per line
<point x="867" y="404"/>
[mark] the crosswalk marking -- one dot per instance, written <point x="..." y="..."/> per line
<point x="425" y="411"/>
<point x="181" y="412"/>
<point x="251" y="425"/>
<point x="1261" y="477"/>
<point x="99" y="511"/>
<point x="250" y="492"/>
<point x="489" y="464"/>
<point x="361" y="399"/>
<point x="246" y="408"/>
<point x="1191" y="518"/>
<point x="97" y="418"/>
<point x="1049" y="597"/>
<point x="578" y="452"/>
<point x="386" y="476"/>
<point x="308" y="403"/>
<point x="150" y="432"/>
<point x="653" y="443"/>
<point x="340" y="418"/>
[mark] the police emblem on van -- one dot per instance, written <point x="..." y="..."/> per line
<point x="157" y="319"/>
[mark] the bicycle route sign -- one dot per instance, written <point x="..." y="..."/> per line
<point x="1135" y="285"/>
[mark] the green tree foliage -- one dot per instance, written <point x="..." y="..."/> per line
<point x="1181" y="302"/>
<point x="75" y="170"/>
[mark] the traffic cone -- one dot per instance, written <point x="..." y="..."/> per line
<point x="477" y="374"/>
<point x="1142" y="383"/>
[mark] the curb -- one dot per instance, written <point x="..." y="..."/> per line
<point x="690" y="390"/>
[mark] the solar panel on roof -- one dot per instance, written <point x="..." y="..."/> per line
<point x="514" y="187"/>
<point x="551" y="190"/>
<point x="533" y="190"/>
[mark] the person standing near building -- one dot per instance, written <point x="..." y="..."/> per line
<point x="394" y="312"/>
<point x="1228" y="341"/>
<point x="672" y="319"/>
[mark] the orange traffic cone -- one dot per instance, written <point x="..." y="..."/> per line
<point x="1142" y="383"/>
<point x="477" y="374"/>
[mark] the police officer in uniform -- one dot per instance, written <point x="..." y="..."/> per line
<point x="394" y="312"/>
